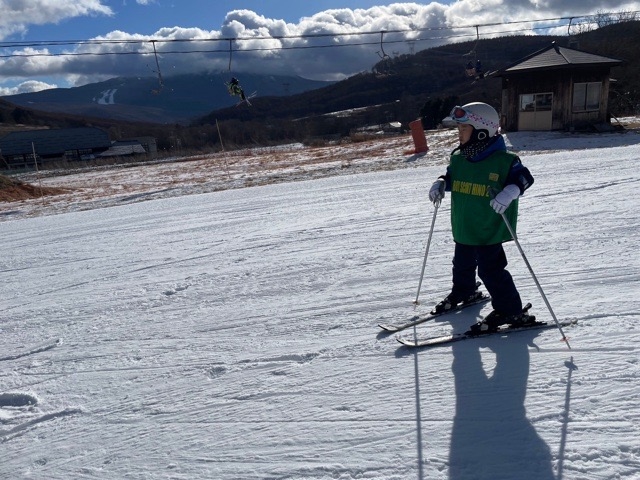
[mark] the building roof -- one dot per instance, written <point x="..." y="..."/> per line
<point x="121" y="149"/>
<point x="56" y="141"/>
<point x="555" y="57"/>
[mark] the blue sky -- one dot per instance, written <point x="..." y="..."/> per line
<point x="148" y="17"/>
<point x="273" y="35"/>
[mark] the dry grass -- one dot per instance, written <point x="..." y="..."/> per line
<point x="15" y="190"/>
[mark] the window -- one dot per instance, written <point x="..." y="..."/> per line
<point x="536" y="102"/>
<point x="586" y="96"/>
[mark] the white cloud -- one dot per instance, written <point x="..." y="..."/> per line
<point x="275" y="46"/>
<point x="26" y="87"/>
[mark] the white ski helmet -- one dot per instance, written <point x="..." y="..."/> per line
<point x="480" y="116"/>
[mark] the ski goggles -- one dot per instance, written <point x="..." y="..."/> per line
<point x="459" y="114"/>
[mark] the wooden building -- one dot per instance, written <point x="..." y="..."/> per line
<point x="556" y="88"/>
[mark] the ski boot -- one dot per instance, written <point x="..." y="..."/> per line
<point x="450" y="302"/>
<point x="492" y="322"/>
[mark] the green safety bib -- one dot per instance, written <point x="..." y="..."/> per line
<point x="473" y="221"/>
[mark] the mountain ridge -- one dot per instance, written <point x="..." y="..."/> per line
<point x="176" y="99"/>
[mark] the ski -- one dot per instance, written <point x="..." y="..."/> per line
<point x="418" y="319"/>
<point x="246" y="99"/>
<point x="486" y="75"/>
<point x="458" y="337"/>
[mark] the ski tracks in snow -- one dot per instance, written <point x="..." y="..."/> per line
<point x="32" y="350"/>
<point x="233" y="335"/>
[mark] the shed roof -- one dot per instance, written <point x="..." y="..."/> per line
<point x="121" y="149"/>
<point x="56" y="141"/>
<point x="555" y="57"/>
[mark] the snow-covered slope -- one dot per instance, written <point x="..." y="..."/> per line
<point x="232" y="334"/>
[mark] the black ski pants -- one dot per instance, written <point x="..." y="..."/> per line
<point x="490" y="262"/>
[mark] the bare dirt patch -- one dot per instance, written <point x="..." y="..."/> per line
<point x="14" y="190"/>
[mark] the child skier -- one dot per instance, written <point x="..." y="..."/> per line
<point x="485" y="181"/>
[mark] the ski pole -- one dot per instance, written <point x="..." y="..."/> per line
<point x="535" y="279"/>
<point x="424" y="262"/>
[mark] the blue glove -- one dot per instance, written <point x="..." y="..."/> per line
<point x="502" y="200"/>
<point x="436" y="193"/>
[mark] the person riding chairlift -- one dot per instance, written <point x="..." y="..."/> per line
<point x="474" y="71"/>
<point x="235" y="89"/>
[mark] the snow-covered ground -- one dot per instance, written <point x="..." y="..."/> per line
<point x="232" y="333"/>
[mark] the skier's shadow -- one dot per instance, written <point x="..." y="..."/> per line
<point x="491" y="437"/>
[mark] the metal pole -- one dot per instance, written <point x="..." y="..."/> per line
<point x="424" y="263"/>
<point x="35" y="160"/>
<point x="535" y="279"/>
<point x="222" y="147"/>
